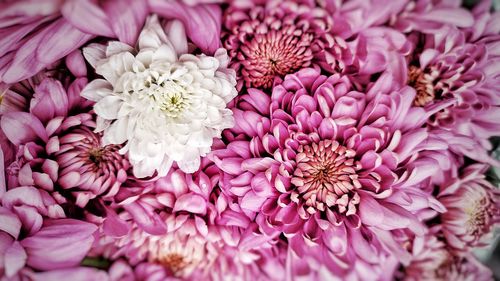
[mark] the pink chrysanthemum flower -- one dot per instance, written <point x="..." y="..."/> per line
<point x="473" y="209"/>
<point x="56" y="148"/>
<point x="335" y="170"/>
<point x="455" y="73"/>
<point x="177" y="227"/>
<point x="275" y="38"/>
<point x="432" y="261"/>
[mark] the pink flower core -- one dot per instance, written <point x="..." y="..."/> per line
<point x="88" y="150"/>
<point x="275" y="53"/>
<point x="174" y="262"/>
<point x="480" y="215"/>
<point x="423" y="86"/>
<point x="326" y="174"/>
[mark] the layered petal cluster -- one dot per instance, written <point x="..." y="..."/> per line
<point x="472" y="209"/>
<point x="432" y="260"/>
<point x="58" y="152"/>
<point x="36" y="34"/>
<point x="29" y="241"/>
<point x="163" y="103"/>
<point x="453" y="66"/>
<point x="336" y="171"/>
<point x="171" y="228"/>
<point x="274" y="38"/>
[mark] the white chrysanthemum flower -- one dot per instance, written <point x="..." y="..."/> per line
<point x="166" y="105"/>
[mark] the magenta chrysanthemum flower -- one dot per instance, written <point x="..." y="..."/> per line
<point x="58" y="151"/>
<point x="334" y="169"/>
<point x="171" y="227"/>
<point x="433" y="261"/>
<point x="472" y="209"/>
<point x="454" y="72"/>
<point x="276" y="38"/>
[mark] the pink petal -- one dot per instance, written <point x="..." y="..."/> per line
<point x="191" y="203"/>
<point x="73" y="274"/>
<point x="24" y="195"/>
<point x="15" y="259"/>
<point x="202" y="22"/>
<point x="370" y="210"/>
<point x="126" y="18"/>
<point x="60" y="39"/>
<point x="76" y="64"/>
<point x="59" y="244"/>
<point x="147" y="220"/>
<point x="50" y="100"/>
<point x="78" y="13"/>
<point x="3" y="186"/>
<point x="22" y="127"/>
<point x="9" y="222"/>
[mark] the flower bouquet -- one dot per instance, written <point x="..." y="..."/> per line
<point x="248" y="139"/>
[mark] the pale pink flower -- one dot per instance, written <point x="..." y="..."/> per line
<point x="328" y="167"/>
<point x="472" y="209"/>
<point x="432" y="261"/>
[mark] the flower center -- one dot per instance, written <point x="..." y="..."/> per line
<point x="170" y="96"/>
<point x="478" y="216"/>
<point x="423" y="84"/>
<point x="174" y="262"/>
<point x="326" y="175"/>
<point x="276" y="53"/>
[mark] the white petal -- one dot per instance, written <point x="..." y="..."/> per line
<point x="108" y="107"/>
<point x="96" y="90"/>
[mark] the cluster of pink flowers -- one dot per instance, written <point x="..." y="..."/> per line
<point x="248" y="139"/>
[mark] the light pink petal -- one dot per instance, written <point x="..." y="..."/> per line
<point x="76" y="64"/>
<point x="454" y="16"/>
<point x="60" y="39"/>
<point x="50" y="100"/>
<point x="114" y="226"/>
<point x="202" y="22"/>
<point x="15" y="259"/>
<point x="370" y="210"/>
<point x="126" y="18"/>
<point x="24" y="195"/>
<point x="3" y="183"/>
<point x="73" y="274"/>
<point x="78" y="13"/>
<point x="147" y="220"/>
<point x="177" y="36"/>
<point x="9" y="222"/>
<point x="192" y="203"/>
<point x="22" y="127"/>
<point x="59" y="244"/>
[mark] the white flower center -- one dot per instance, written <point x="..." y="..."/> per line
<point x="170" y="96"/>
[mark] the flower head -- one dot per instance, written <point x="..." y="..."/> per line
<point x="275" y="38"/>
<point x="176" y="227"/>
<point x="166" y="105"/>
<point x="321" y="165"/>
<point x="473" y="209"/>
<point x="55" y="146"/>
<point x="433" y="261"/>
